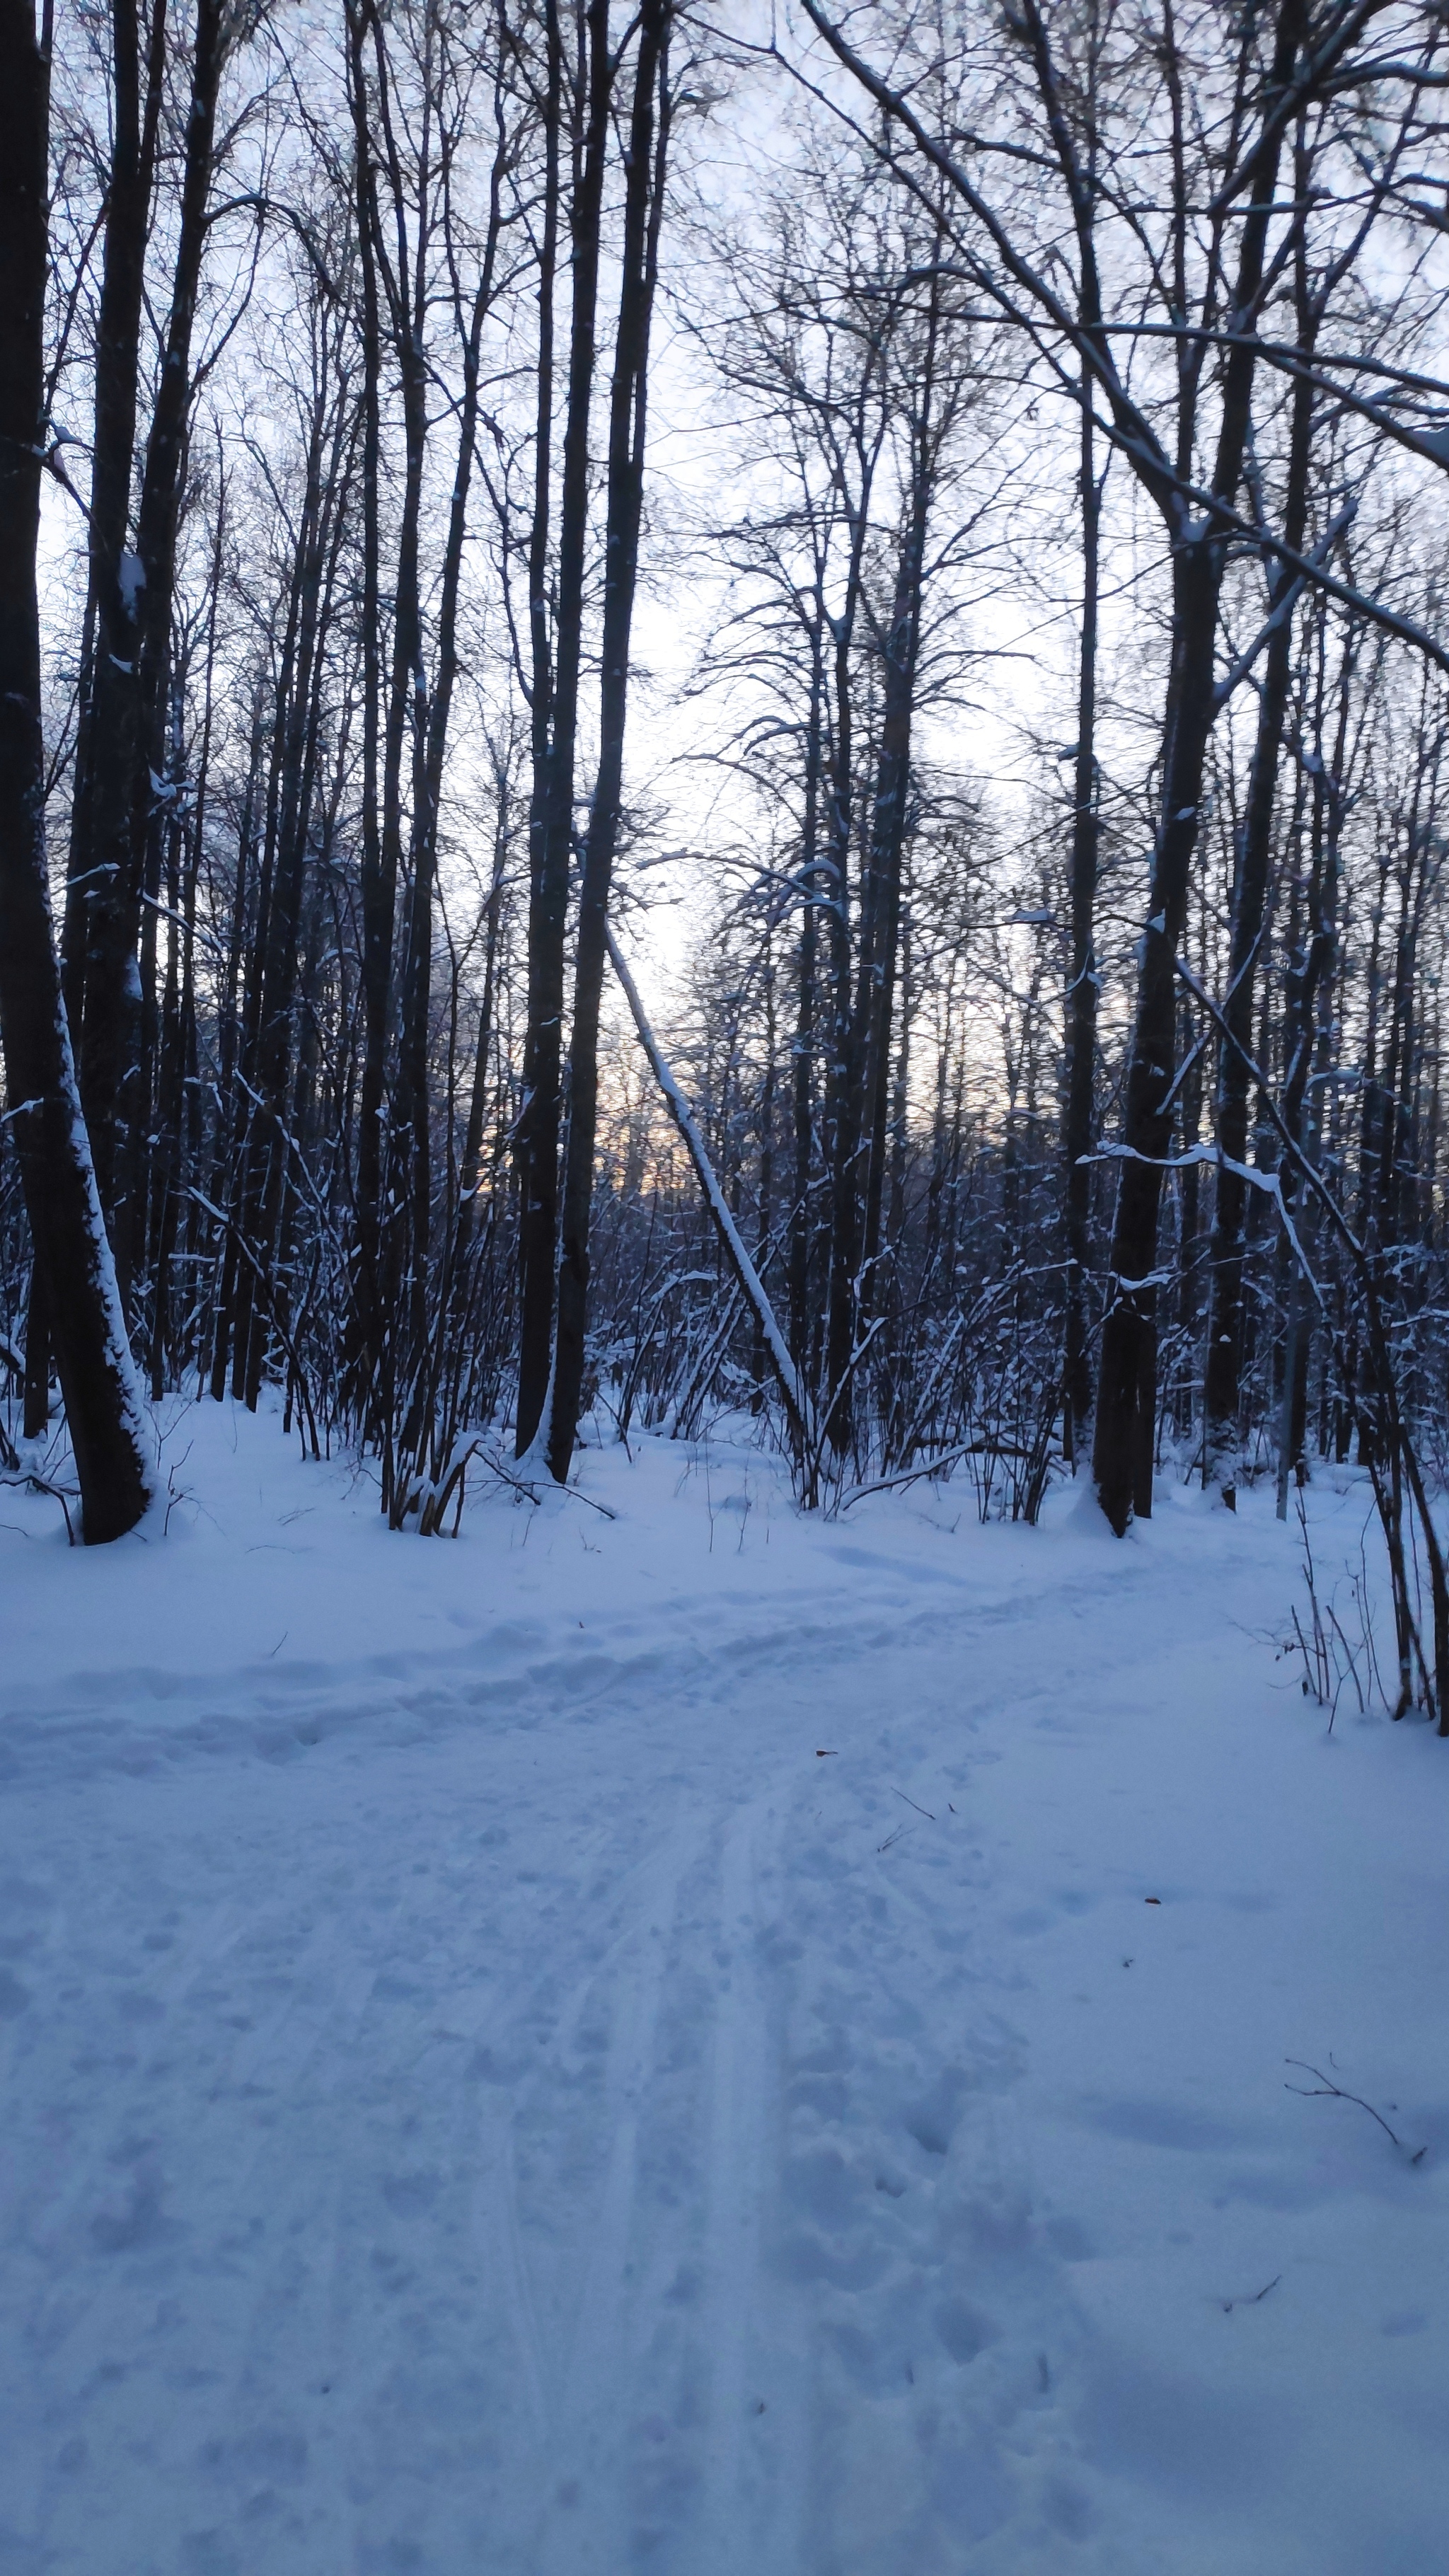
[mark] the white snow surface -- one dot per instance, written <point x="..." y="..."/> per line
<point x="485" y="2092"/>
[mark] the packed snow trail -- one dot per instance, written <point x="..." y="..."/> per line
<point x="643" y="2044"/>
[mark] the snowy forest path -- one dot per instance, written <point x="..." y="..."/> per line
<point x="654" y="2081"/>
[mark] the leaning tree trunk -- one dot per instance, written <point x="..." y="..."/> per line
<point x="61" y="1201"/>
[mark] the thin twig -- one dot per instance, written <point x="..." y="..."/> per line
<point x="1256" y="2296"/>
<point x="1326" y="2088"/>
<point x="521" y="1485"/>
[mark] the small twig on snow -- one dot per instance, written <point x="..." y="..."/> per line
<point x="1228" y="2305"/>
<point x="1338" y="2093"/>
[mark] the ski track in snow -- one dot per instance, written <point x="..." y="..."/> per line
<point x="509" y="2107"/>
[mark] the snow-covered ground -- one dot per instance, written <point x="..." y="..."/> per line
<point x="707" y="2041"/>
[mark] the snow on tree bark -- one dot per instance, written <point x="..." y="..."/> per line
<point x="86" y="1327"/>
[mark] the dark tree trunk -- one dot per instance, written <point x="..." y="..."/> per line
<point x="643" y="210"/>
<point x="1125" y="1426"/>
<point x="765" y="1208"/>
<point x="431" y="718"/>
<point x="35" y="1417"/>
<point x="135" y="752"/>
<point x="864" y="1019"/>
<point x="803" y="1086"/>
<point x="1122" y="1452"/>
<point x="551" y="815"/>
<point x="536" y="1133"/>
<point x="888" y="817"/>
<point x="323" y="517"/>
<point x="1081" y="1015"/>
<point x="402" y="273"/>
<point x="67" y="1231"/>
<point x="843" y="1106"/>
<point x="378" y="877"/>
<point x="169" y="1079"/>
<point x="1250" y="903"/>
<point x="109" y="714"/>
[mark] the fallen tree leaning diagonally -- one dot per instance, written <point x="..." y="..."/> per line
<point x="796" y="1396"/>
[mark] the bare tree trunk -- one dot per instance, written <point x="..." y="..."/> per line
<point x="1122" y="1448"/>
<point x="35" y="1418"/>
<point x="402" y="271"/>
<point x="378" y="887"/>
<point x="429" y="754"/>
<point x="110" y="683"/>
<point x="803" y="1087"/>
<point x="643" y="212"/>
<point x="1081" y="1015"/>
<point x="843" y="1069"/>
<point x="122" y="790"/>
<point x="888" y="818"/>
<point x="551" y="816"/>
<point x="314" y="577"/>
<point x="1250" y="899"/>
<point x="67" y="1231"/>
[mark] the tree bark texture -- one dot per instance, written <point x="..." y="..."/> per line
<point x="643" y="210"/>
<point x="62" y="1204"/>
<point x="1125" y="1432"/>
<point x="551" y="816"/>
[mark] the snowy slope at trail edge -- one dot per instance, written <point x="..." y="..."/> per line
<point x="643" y="2043"/>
